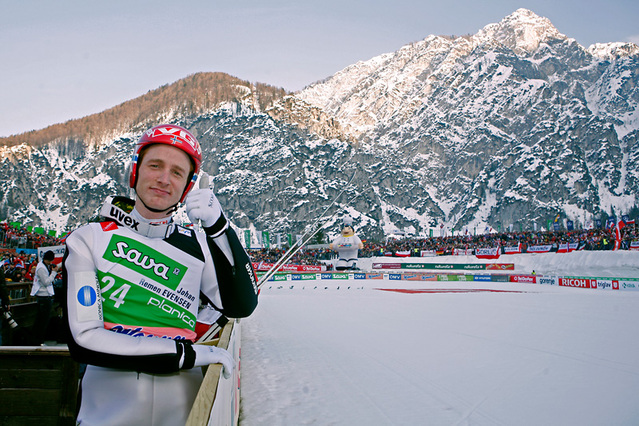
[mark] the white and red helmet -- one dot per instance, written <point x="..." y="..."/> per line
<point x="169" y="134"/>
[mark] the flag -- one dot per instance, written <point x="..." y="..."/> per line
<point x="618" y="229"/>
<point x="266" y="239"/>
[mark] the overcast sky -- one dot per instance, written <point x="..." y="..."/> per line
<point x="67" y="59"/>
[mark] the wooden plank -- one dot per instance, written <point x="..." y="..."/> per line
<point x="35" y="421"/>
<point x="31" y="402"/>
<point x="37" y="383"/>
<point x="203" y="403"/>
<point x="43" y="379"/>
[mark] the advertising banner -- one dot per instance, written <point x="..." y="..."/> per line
<point x="539" y="249"/>
<point x="373" y="276"/>
<point x="303" y="277"/>
<point x="419" y="277"/>
<point x="482" y="278"/>
<point x="626" y="284"/>
<point x="500" y="266"/>
<point x="387" y="265"/>
<point x="462" y="252"/>
<point x="263" y="266"/>
<point x="526" y="279"/>
<point x="58" y="251"/>
<point x="465" y="278"/>
<point x="500" y="278"/>
<point x="513" y="250"/>
<point x="487" y="253"/>
<point x="446" y="277"/>
<point x="340" y="276"/>
<point x="548" y="280"/>
<point x="578" y="282"/>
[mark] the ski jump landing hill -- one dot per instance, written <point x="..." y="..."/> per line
<point x="218" y="401"/>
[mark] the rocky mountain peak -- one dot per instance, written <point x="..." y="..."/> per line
<point x="522" y="32"/>
<point x="612" y="51"/>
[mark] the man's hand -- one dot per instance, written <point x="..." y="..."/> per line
<point x="206" y="354"/>
<point x="202" y="204"/>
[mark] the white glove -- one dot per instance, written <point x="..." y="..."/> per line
<point x="207" y="354"/>
<point x="202" y="204"/>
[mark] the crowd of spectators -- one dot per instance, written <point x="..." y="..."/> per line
<point x="19" y="267"/>
<point x="587" y="239"/>
<point x="12" y="237"/>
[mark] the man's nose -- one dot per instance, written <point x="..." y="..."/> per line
<point x="164" y="176"/>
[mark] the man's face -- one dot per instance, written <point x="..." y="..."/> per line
<point x="162" y="177"/>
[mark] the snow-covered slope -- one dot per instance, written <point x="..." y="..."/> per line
<point x="507" y="127"/>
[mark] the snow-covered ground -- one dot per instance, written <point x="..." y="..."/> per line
<point x="347" y="353"/>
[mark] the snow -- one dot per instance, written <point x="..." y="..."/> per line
<point x="347" y="353"/>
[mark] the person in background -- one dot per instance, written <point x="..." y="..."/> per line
<point x="42" y="289"/>
<point x="134" y="284"/>
<point x="4" y="301"/>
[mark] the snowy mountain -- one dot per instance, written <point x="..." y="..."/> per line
<point x="509" y="126"/>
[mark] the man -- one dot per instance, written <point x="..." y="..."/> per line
<point x="134" y="283"/>
<point x="42" y="289"/>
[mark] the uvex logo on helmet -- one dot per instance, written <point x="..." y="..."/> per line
<point x="176" y="135"/>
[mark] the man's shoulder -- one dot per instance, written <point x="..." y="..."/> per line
<point x="90" y="228"/>
<point x="186" y="239"/>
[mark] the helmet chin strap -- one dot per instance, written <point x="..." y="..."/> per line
<point x="168" y="211"/>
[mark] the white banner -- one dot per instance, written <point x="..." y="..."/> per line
<point x="539" y="249"/>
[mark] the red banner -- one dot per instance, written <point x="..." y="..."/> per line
<point x="578" y="282"/>
<point x="487" y="253"/>
<point x="262" y="266"/>
<point x="526" y="279"/>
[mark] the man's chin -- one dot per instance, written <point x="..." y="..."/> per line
<point x="162" y="207"/>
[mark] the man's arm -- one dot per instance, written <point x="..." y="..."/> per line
<point x="234" y="272"/>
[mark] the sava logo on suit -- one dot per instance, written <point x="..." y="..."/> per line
<point x="145" y="260"/>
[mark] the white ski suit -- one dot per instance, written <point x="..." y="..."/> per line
<point x="133" y="292"/>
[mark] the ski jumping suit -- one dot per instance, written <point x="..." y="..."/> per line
<point x="133" y="291"/>
<point x="347" y="249"/>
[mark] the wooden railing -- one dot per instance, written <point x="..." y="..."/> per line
<point x="38" y="386"/>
